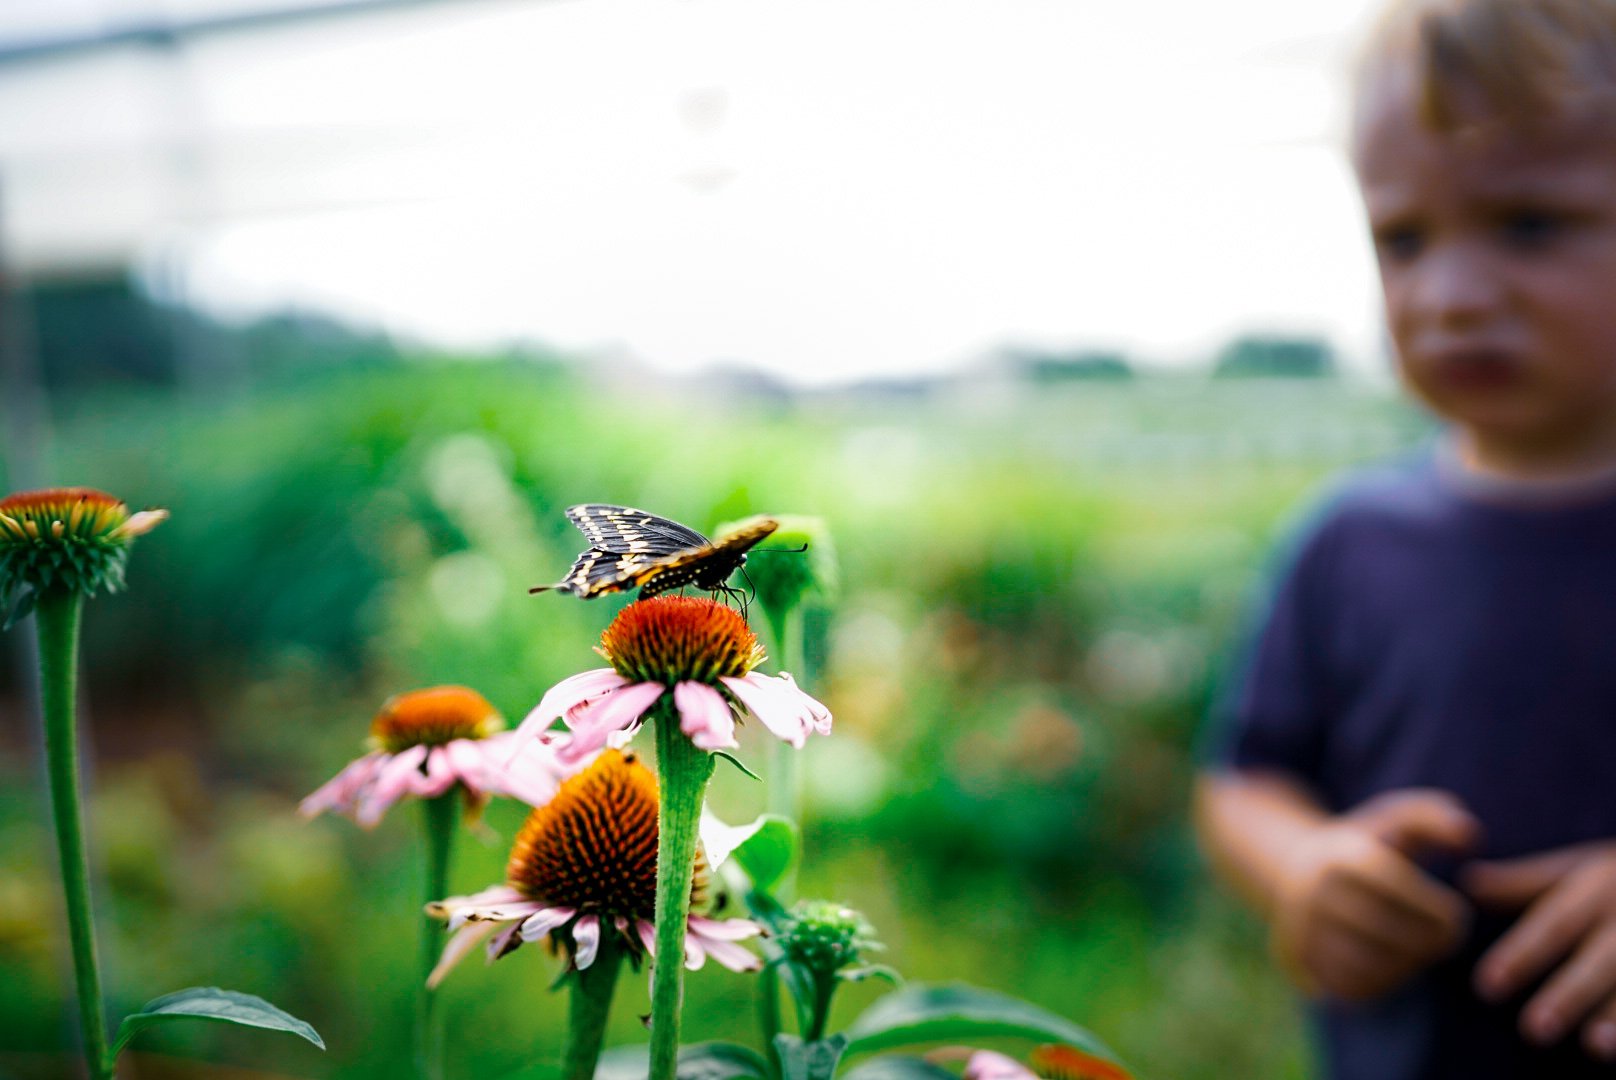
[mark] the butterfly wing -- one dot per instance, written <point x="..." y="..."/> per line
<point x="626" y="547"/>
<point x="709" y="566"/>
<point x="623" y="530"/>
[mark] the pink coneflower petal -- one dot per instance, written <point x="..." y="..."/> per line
<point x="438" y="776"/>
<point x="545" y="920"/>
<point x="586" y="936"/>
<point x="565" y="696"/>
<point x="704" y="716"/>
<point x="593" y="724"/>
<point x="731" y="955"/>
<point x="988" y="1065"/>
<point x="468" y="761"/>
<point x="505" y="941"/>
<point x="725" y="929"/>
<point x="341" y="792"/>
<point x="393" y="781"/>
<point x="780" y="706"/>
<point x="717" y="938"/>
<point x="647" y="931"/>
<point x="464" y="940"/>
<point x="819" y="715"/>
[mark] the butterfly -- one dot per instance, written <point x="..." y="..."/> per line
<point x="631" y="549"/>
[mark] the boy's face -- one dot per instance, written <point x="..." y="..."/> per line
<point x="1497" y="253"/>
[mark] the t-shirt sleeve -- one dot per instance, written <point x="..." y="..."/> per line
<point x="1276" y="705"/>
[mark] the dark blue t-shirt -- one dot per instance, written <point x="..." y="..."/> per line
<point x="1427" y="634"/>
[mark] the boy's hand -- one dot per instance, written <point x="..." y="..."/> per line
<point x="1569" y="929"/>
<point x="1354" y="915"/>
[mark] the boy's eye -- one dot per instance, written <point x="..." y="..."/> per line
<point x="1530" y="230"/>
<point x="1398" y="242"/>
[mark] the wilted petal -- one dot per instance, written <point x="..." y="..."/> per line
<point x="506" y="941"/>
<point x="493" y="895"/>
<point x="586" y="935"/>
<point x="704" y="716"/>
<point x="464" y="940"/>
<point x="545" y="921"/>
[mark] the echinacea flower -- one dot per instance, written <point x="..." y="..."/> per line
<point x="584" y="866"/>
<point x="71" y="539"/>
<point x="1054" y="1061"/>
<point x="427" y="741"/>
<point x="701" y="653"/>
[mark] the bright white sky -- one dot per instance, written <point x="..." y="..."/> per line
<point x="827" y="189"/>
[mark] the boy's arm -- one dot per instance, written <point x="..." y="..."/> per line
<point x="1350" y="912"/>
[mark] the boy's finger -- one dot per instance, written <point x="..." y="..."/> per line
<point x="1395" y="878"/>
<point x="1580" y="985"/>
<point x="1511" y="884"/>
<point x="1420" y="820"/>
<point x="1547" y="932"/>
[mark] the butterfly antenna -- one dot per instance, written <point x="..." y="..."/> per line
<point x="784" y="551"/>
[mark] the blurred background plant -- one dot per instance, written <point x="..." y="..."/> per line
<point x="1043" y="566"/>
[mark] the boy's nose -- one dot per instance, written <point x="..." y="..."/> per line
<point x="1455" y="287"/>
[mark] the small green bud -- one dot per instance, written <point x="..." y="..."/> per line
<point x="825" y="937"/>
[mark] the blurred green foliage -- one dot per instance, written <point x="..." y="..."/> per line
<point x="1040" y="580"/>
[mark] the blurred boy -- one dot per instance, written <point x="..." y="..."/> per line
<point x="1415" y="782"/>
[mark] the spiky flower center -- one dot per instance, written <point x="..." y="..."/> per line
<point x="73" y="539"/>
<point x="433" y="717"/>
<point x="594" y="846"/>
<point x="671" y="639"/>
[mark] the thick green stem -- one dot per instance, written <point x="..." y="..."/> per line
<point x="590" y="1007"/>
<point x="438" y="819"/>
<point x="684" y="771"/>
<point x="57" y="619"/>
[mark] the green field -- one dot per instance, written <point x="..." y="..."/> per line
<point x="1039" y="585"/>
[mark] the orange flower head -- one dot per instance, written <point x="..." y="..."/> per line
<point x="673" y="639"/>
<point x="433" y="717"/>
<point x="593" y="847"/>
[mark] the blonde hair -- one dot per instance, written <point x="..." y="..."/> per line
<point x="1523" y="60"/>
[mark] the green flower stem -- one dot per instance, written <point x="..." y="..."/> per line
<point x="438" y="819"/>
<point x="57" y="620"/>
<point x="591" y="1005"/>
<point x="684" y="771"/>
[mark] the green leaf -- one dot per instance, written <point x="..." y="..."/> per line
<point x="871" y="971"/>
<point x="958" y="1013"/>
<point x="771" y="852"/>
<point x="737" y="762"/>
<point x="897" y="1067"/>
<point x="24" y="607"/>
<point x="211" y="1003"/>
<point x="701" y="1061"/>
<point x="809" y="1061"/>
